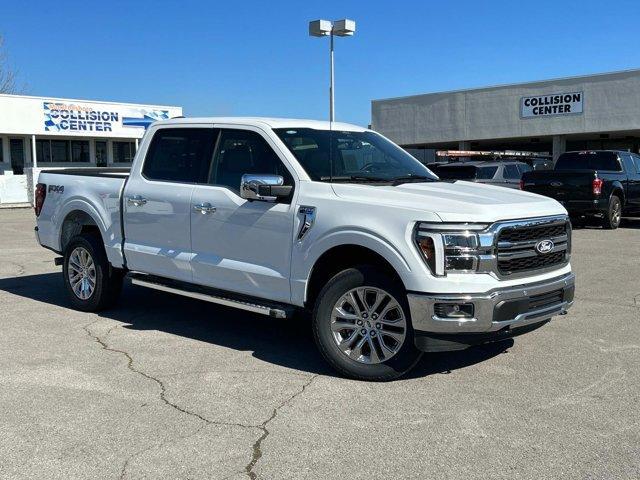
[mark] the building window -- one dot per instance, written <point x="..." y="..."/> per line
<point x="62" y="151"/>
<point x="123" y="152"/>
<point x="79" y="151"/>
<point x="43" y="151"/>
<point x="1" y="149"/>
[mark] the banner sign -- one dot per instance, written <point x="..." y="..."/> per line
<point x="555" y="104"/>
<point x="97" y="117"/>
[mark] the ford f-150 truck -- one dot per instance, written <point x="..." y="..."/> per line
<point x="274" y="216"/>
<point x="594" y="183"/>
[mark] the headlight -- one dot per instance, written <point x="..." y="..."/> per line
<point x="450" y="247"/>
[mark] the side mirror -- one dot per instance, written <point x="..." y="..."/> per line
<point x="265" y="187"/>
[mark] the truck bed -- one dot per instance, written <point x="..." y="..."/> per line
<point x="71" y="191"/>
<point x="560" y="184"/>
<point x="91" y="172"/>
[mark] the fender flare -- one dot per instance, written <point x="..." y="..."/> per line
<point x="618" y="187"/>
<point x="351" y="237"/>
<point x="73" y="205"/>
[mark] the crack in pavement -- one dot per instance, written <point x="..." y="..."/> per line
<point x="257" y="446"/>
<point x="163" y="388"/>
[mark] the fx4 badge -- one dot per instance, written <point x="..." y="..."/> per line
<point x="56" y="189"/>
<point x="544" y="246"/>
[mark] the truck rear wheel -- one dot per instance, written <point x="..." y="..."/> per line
<point x="613" y="215"/>
<point x="362" y="326"/>
<point x="90" y="280"/>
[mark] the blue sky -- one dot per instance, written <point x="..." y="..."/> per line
<point x="256" y="58"/>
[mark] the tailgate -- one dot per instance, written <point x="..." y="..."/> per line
<point x="560" y="184"/>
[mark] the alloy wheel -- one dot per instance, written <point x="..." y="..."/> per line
<point x="616" y="215"/>
<point x="81" y="273"/>
<point x="368" y="325"/>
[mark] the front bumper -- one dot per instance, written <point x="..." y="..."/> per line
<point x="496" y="310"/>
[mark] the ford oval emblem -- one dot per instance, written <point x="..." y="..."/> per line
<point x="544" y="246"/>
<point x="556" y="184"/>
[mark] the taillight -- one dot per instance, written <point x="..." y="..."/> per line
<point x="596" y="186"/>
<point x="41" y="194"/>
<point x="521" y="184"/>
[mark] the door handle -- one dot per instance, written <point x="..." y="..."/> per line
<point x="136" y="200"/>
<point x="204" y="208"/>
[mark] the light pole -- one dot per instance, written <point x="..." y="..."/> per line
<point x="323" y="28"/>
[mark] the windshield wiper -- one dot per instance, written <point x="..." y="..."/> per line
<point x="410" y="178"/>
<point x="356" y="178"/>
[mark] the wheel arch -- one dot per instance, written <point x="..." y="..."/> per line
<point x="341" y="257"/>
<point x="618" y="191"/>
<point x="75" y="222"/>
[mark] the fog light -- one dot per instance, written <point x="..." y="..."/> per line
<point x="461" y="263"/>
<point x="453" y="310"/>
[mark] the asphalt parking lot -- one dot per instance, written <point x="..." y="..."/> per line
<point x="167" y="387"/>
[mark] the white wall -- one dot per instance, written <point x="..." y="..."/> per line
<point x="24" y="115"/>
<point x="611" y="103"/>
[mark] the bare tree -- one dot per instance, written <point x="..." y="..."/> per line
<point x="8" y="76"/>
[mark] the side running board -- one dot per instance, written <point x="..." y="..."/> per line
<point x="210" y="295"/>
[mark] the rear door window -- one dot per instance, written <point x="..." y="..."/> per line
<point x="486" y="173"/>
<point x="636" y="160"/>
<point x="181" y="155"/>
<point x="511" y="172"/>
<point x="628" y="162"/>
<point x="604" y="161"/>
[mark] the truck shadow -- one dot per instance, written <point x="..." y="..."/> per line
<point x="287" y="343"/>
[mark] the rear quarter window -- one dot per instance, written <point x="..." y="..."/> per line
<point x="457" y="173"/>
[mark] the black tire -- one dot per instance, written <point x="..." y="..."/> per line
<point x="108" y="280"/>
<point x="613" y="215"/>
<point x="362" y="276"/>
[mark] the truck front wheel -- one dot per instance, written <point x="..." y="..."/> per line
<point x="90" y="280"/>
<point x="362" y="326"/>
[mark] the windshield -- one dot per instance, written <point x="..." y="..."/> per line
<point x="589" y="161"/>
<point x="353" y="156"/>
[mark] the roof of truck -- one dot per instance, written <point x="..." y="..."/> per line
<point x="271" y="122"/>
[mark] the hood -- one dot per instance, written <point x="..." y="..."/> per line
<point x="455" y="202"/>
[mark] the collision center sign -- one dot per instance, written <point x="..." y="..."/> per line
<point x="89" y="118"/>
<point x="556" y="104"/>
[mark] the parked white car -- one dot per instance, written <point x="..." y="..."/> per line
<point x="274" y="215"/>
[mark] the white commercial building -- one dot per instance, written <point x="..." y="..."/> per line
<point x="45" y="132"/>
<point x="591" y="112"/>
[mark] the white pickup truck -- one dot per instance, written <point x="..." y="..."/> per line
<point x="277" y="215"/>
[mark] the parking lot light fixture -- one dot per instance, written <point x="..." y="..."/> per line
<point x="324" y="28"/>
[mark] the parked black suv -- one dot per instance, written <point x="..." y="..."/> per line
<point x="600" y="183"/>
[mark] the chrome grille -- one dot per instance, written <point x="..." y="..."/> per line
<point x="532" y="233"/>
<point x="516" y="247"/>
